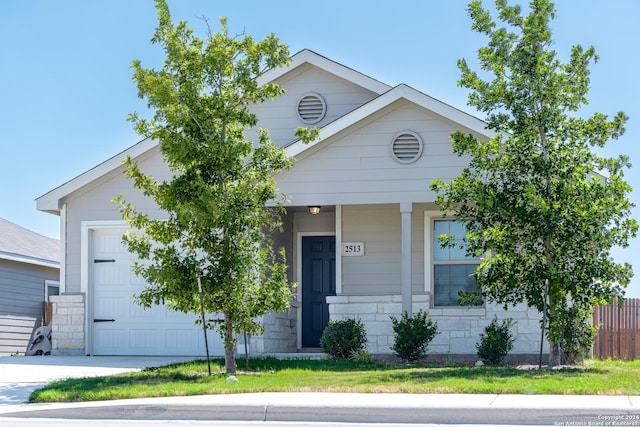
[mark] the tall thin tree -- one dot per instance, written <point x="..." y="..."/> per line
<point x="217" y="225"/>
<point x="541" y="206"/>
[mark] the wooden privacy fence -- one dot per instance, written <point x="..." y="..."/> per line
<point x="619" y="332"/>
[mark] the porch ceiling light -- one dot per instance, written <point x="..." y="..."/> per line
<point x="314" y="210"/>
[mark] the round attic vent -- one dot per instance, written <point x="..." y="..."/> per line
<point x="311" y="108"/>
<point x="406" y="147"/>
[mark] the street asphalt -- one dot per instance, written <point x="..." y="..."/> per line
<point x="19" y="376"/>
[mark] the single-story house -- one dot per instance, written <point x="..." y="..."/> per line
<point x="29" y="274"/>
<point x="360" y="227"/>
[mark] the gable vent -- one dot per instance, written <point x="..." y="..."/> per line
<point x="406" y="147"/>
<point x="311" y="108"/>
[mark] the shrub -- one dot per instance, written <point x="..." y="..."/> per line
<point x="361" y="355"/>
<point x="412" y="334"/>
<point x="342" y="338"/>
<point x="495" y="342"/>
<point x="577" y="333"/>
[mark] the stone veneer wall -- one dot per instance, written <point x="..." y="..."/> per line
<point x="67" y="325"/>
<point x="279" y="334"/>
<point x="459" y="328"/>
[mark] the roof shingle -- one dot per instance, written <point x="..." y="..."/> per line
<point x="17" y="242"/>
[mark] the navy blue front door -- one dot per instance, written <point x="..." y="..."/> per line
<point x="318" y="282"/>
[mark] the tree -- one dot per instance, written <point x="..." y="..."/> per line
<point x="216" y="233"/>
<point x="541" y="207"/>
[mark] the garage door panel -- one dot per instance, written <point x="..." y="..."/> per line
<point x="111" y="307"/>
<point x="112" y="274"/>
<point x="137" y="282"/>
<point x="183" y="338"/>
<point x="109" y="339"/>
<point x="110" y="242"/>
<point x="151" y="314"/>
<point x="136" y="330"/>
<point x="144" y="338"/>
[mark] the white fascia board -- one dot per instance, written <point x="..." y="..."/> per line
<point x="399" y="92"/>
<point x="51" y="201"/>
<point x="445" y="110"/>
<point x="310" y="57"/>
<point x="29" y="260"/>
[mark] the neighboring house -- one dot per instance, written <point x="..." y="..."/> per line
<point x="360" y="226"/>
<point x="29" y="273"/>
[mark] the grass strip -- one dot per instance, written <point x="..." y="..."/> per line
<point x="273" y="375"/>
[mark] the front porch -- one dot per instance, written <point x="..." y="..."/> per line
<point x="391" y="274"/>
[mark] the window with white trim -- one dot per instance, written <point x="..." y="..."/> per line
<point x="51" y="287"/>
<point x="449" y="270"/>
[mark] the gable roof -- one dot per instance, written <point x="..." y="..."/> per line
<point x="51" y="201"/>
<point x="307" y="56"/>
<point x="22" y="245"/>
<point x="399" y="92"/>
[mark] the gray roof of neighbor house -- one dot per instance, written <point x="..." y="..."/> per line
<point x="22" y="245"/>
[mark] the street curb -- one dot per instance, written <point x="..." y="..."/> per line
<point x="353" y="407"/>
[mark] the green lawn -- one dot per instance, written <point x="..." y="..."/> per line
<point x="272" y="375"/>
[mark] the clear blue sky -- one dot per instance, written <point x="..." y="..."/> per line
<point x="66" y="89"/>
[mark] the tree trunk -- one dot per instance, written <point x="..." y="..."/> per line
<point x="555" y="348"/>
<point x="555" y="354"/>
<point x="229" y="346"/>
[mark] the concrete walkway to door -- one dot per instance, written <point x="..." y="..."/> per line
<point x="21" y="375"/>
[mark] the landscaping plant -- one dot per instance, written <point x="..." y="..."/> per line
<point x="343" y="338"/>
<point x="412" y="334"/>
<point x="495" y="342"/>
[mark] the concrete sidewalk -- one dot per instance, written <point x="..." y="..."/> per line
<point x="19" y="376"/>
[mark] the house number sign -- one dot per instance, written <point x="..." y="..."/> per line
<point x="352" y="248"/>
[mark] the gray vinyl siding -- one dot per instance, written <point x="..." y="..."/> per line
<point x="21" y="303"/>
<point x="378" y="271"/>
<point x="280" y="115"/>
<point x="379" y="227"/>
<point x="356" y="166"/>
<point x="284" y="240"/>
<point x="94" y="203"/>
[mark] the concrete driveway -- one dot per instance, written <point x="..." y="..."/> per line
<point x="21" y="375"/>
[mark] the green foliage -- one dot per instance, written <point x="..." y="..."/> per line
<point x="541" y="206"/>
<point x="577" y="334"/>
<point x="217" y="224"/>
<point x="495" y="342"/>
<point x="342" y="338"/>
<point x="361" y="355"/>
<point x="412" y="334"/>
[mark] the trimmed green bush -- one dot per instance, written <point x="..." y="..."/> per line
<point x="495" y="342"/>
<point x="362" y="356"/>
<point x="412" y="334"/>
<point x="342" y="338"/>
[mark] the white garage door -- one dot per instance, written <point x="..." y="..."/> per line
<point x="120" y="326"/>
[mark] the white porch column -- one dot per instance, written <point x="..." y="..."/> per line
<point x="338" y="249"/>
<point x="406" y="210"/>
